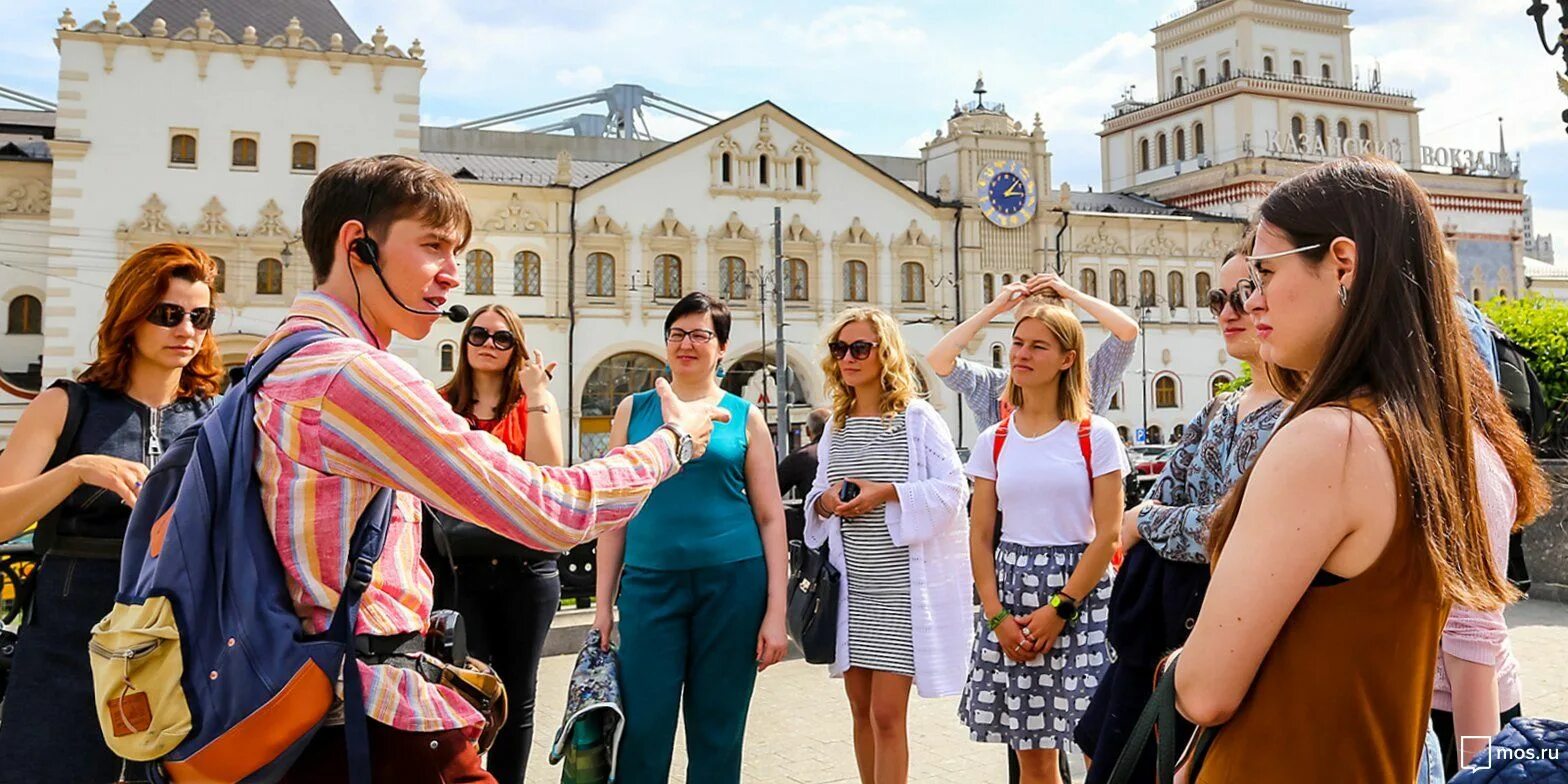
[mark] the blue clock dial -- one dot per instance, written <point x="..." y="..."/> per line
<point x="1006" y="194"/>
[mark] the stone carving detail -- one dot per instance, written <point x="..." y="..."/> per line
<point x="912" y="237"/>
<point x="601" y="223"/>
<point x="29" y="197"/>
<point x="1101" y="243"/>
<point x="271" y="223"/>
<point x="515" y="217"/>
<point x="1159" y="245"/>
<point x="563" y="168"/>
<point x="154" y="218"/>
<point x="797" y="231"/>
<point x="733" y="229"/>
<point x="1214" y="246"/>
<point x="669" y="227"/>
<point x="212" y="220"/>
<point x="856" y="234"/>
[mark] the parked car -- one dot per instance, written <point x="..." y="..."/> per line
<point x="1148" y="460"/>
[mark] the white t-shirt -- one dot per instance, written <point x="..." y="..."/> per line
<point x="1043" y="490"/>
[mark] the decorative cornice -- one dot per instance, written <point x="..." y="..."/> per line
<point x="27" y="197"/>
<point x="515" y="217"/>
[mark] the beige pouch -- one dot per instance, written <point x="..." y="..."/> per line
<point x="135" y="656"/>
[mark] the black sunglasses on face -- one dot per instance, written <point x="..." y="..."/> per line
<point x="501" y="339"/>
<point x="860" y="349"/>
<point x="169" y="315"/>
<point x="1236" y="297"/>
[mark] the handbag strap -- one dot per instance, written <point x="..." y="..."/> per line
<point x="1159" y="716"/>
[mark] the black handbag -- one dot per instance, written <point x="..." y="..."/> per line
<point x="1159" y="717"/>
<point x="812" y="610"/>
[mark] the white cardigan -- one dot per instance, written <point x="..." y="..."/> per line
<point x="931" y="518"/>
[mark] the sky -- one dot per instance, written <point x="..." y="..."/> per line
<point x="881" y="77"/>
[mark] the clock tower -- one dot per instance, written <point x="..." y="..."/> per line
<point x="1000" y="173"/>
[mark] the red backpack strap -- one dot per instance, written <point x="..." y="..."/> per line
<point x="997" y="441"/>
<point x="1087" y="449"/>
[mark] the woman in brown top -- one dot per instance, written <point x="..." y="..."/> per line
<point x="1337" y="556"/>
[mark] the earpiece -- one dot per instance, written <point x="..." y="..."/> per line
<point x="367" y="251"/>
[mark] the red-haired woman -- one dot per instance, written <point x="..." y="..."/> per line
<point x="156" y="373"/>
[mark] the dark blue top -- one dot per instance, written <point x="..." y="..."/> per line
<point x="701" y="516"/>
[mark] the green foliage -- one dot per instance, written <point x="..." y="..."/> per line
<point x="1241" y="381"/>
<point x="1540" y="325"/>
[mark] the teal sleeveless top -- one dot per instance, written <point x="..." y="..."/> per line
<point x="701" y="516"/>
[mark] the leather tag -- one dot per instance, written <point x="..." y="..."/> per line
<point x="130" y="714"/>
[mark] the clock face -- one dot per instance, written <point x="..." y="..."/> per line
<point x="1007" y="194"/>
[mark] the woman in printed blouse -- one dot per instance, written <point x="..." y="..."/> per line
<point x="1160" y="587"/>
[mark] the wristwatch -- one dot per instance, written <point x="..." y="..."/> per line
<point x="1066" y="607"/>
<point x="683" y="445"/>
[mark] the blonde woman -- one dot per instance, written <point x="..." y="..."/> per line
<point x="1055" y="472"/>
<point x="889" y="501"/>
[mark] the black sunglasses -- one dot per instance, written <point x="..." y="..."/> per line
<point x="860" y="349"/>
<point x="1236" y="297"/>
<point x="169" y="315"/>
<point x="503" y="340"/>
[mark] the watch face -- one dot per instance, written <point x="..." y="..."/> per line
<point x="1007" y="193"/>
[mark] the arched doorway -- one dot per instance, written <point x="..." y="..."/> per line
<point x="751" y="378"/>
<point x="623" y="374"/>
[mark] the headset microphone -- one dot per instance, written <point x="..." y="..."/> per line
<point x="367" y="251"/>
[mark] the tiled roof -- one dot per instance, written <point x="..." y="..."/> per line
<point x="1133" y="204"/>
<point x="514" y="170"/>
<point x="318" y="18"/>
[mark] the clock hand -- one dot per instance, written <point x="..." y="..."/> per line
<point x="1011" y="190"/>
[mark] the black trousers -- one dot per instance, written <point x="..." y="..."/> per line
<point x="507" y="605"/>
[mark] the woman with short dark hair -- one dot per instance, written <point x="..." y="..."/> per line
<point x="699" y="573"/>
<point x="156" y="373"/>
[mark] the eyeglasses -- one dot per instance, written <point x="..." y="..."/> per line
<point x="699" y="337"/>
<point x="1236" y="298"/>
<point x="1252" y="261"/>
<point x="860" y="349"/>
<point x="169" y="315"/>
<point x="501" y="339"/>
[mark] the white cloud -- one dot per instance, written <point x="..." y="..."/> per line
<point x="588" y="77"/>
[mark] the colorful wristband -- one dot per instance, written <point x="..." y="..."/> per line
<point x="996" y="620"/>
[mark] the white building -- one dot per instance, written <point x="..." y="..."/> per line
<point x="1251" y="92"/>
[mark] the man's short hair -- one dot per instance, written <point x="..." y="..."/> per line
<point x="378" y="191"/>
<point x="816" y="421"/>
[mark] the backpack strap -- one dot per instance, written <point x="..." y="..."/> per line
<point x="47" y="534"/>
<point x="1087" y="449"/>
<point x="998" y="440"/>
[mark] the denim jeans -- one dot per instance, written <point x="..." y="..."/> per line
<point x="507" y="605"/>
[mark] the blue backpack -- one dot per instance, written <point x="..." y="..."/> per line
<point x="202" y="666"/>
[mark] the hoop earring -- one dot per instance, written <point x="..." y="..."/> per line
<point x="1344" y="296"/>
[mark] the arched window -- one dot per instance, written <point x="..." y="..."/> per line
<point x="1176" y="433"/>
<point x="1162" y="150"/>
<point x="244" y="151"/>
<point x="1298" y="126"/>
<point x="1154" y="434"/>
<point x="667" y="277"/>
<point x="1201" y="288"/>
<point x="797" y="283"/>
<point x="448" y="357"/>
<point x="1121" y="430"/>
<point x="1297" y="69"/>
<point x="1179" y="85"/>
<point x="1203" y="77"/>
<point x="601" y="275"/>
<point x="526" y="274"/>
<point x="1328" y="73"/>
<point x="304" y="158"/>
<point x="725" y="175"/>
<point x="988" y="285"/>
<point x="182" y="149"/>
<point x="914" y="282"/>
<point x="1007" y="278"/>
<point x="269" y="276"/>
<point x="1320" y="129"/>
<point x="1146" y="294"/>
<point x="1143" y="154"/>
<point x="1366" y="132"/>
<point x="762" y="170"/>
<point x="996" y="355"/>
<point x="855" y="282"/>
<point x="1216" y="383"/>
<point x="1116" y="403"/>
<point x="800" y="172"/>
<point x="1342" y="130"/>
<point x="732" y="278"/>
<point x="25" y="316"/>
<point x="1225" y="69"/>
<point x="1475" y="295"/>
<point x="1181" y="144"/>
<point x="1089" y="282"/>
<point x="1268" y="65"/>
<point x="221" y="280"/>
<point x="1165" y="392"/>
<point x="1197" y="139"/>
<point x="615" y="378"/>
<point x="481" y="272"/>
<point x="1118" y="287"/>
<point x="1177" y="290"/>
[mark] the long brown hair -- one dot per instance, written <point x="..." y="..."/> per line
<point x="138" y="286"/>
<point x="899" y="387"/>
<point x="459" y="390"/>
<point x="1072" y="386"/>
<point x="1401" y="341"/>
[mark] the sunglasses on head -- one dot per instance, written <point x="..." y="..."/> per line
<point x="860" y="349"/>
<point x="1236" y="298"/>
<point x="168" y="315"/>
<point x="503" y="341"/>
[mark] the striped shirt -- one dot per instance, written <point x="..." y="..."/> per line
<point x="341" y="419"/>
<point x="876" y="570"/>
<point x="982" y="385"/>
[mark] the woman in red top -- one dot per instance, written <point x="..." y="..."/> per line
<point x="507" y="593"/>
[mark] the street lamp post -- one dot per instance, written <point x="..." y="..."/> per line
<point x="1145" y="304"/>
<point x="1537" y="11"/>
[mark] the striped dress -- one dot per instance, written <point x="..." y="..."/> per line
<point x="875" y="449"/>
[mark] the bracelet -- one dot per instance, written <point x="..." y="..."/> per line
<point x="538" y="409"/>
<point x="996" y="620"/>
